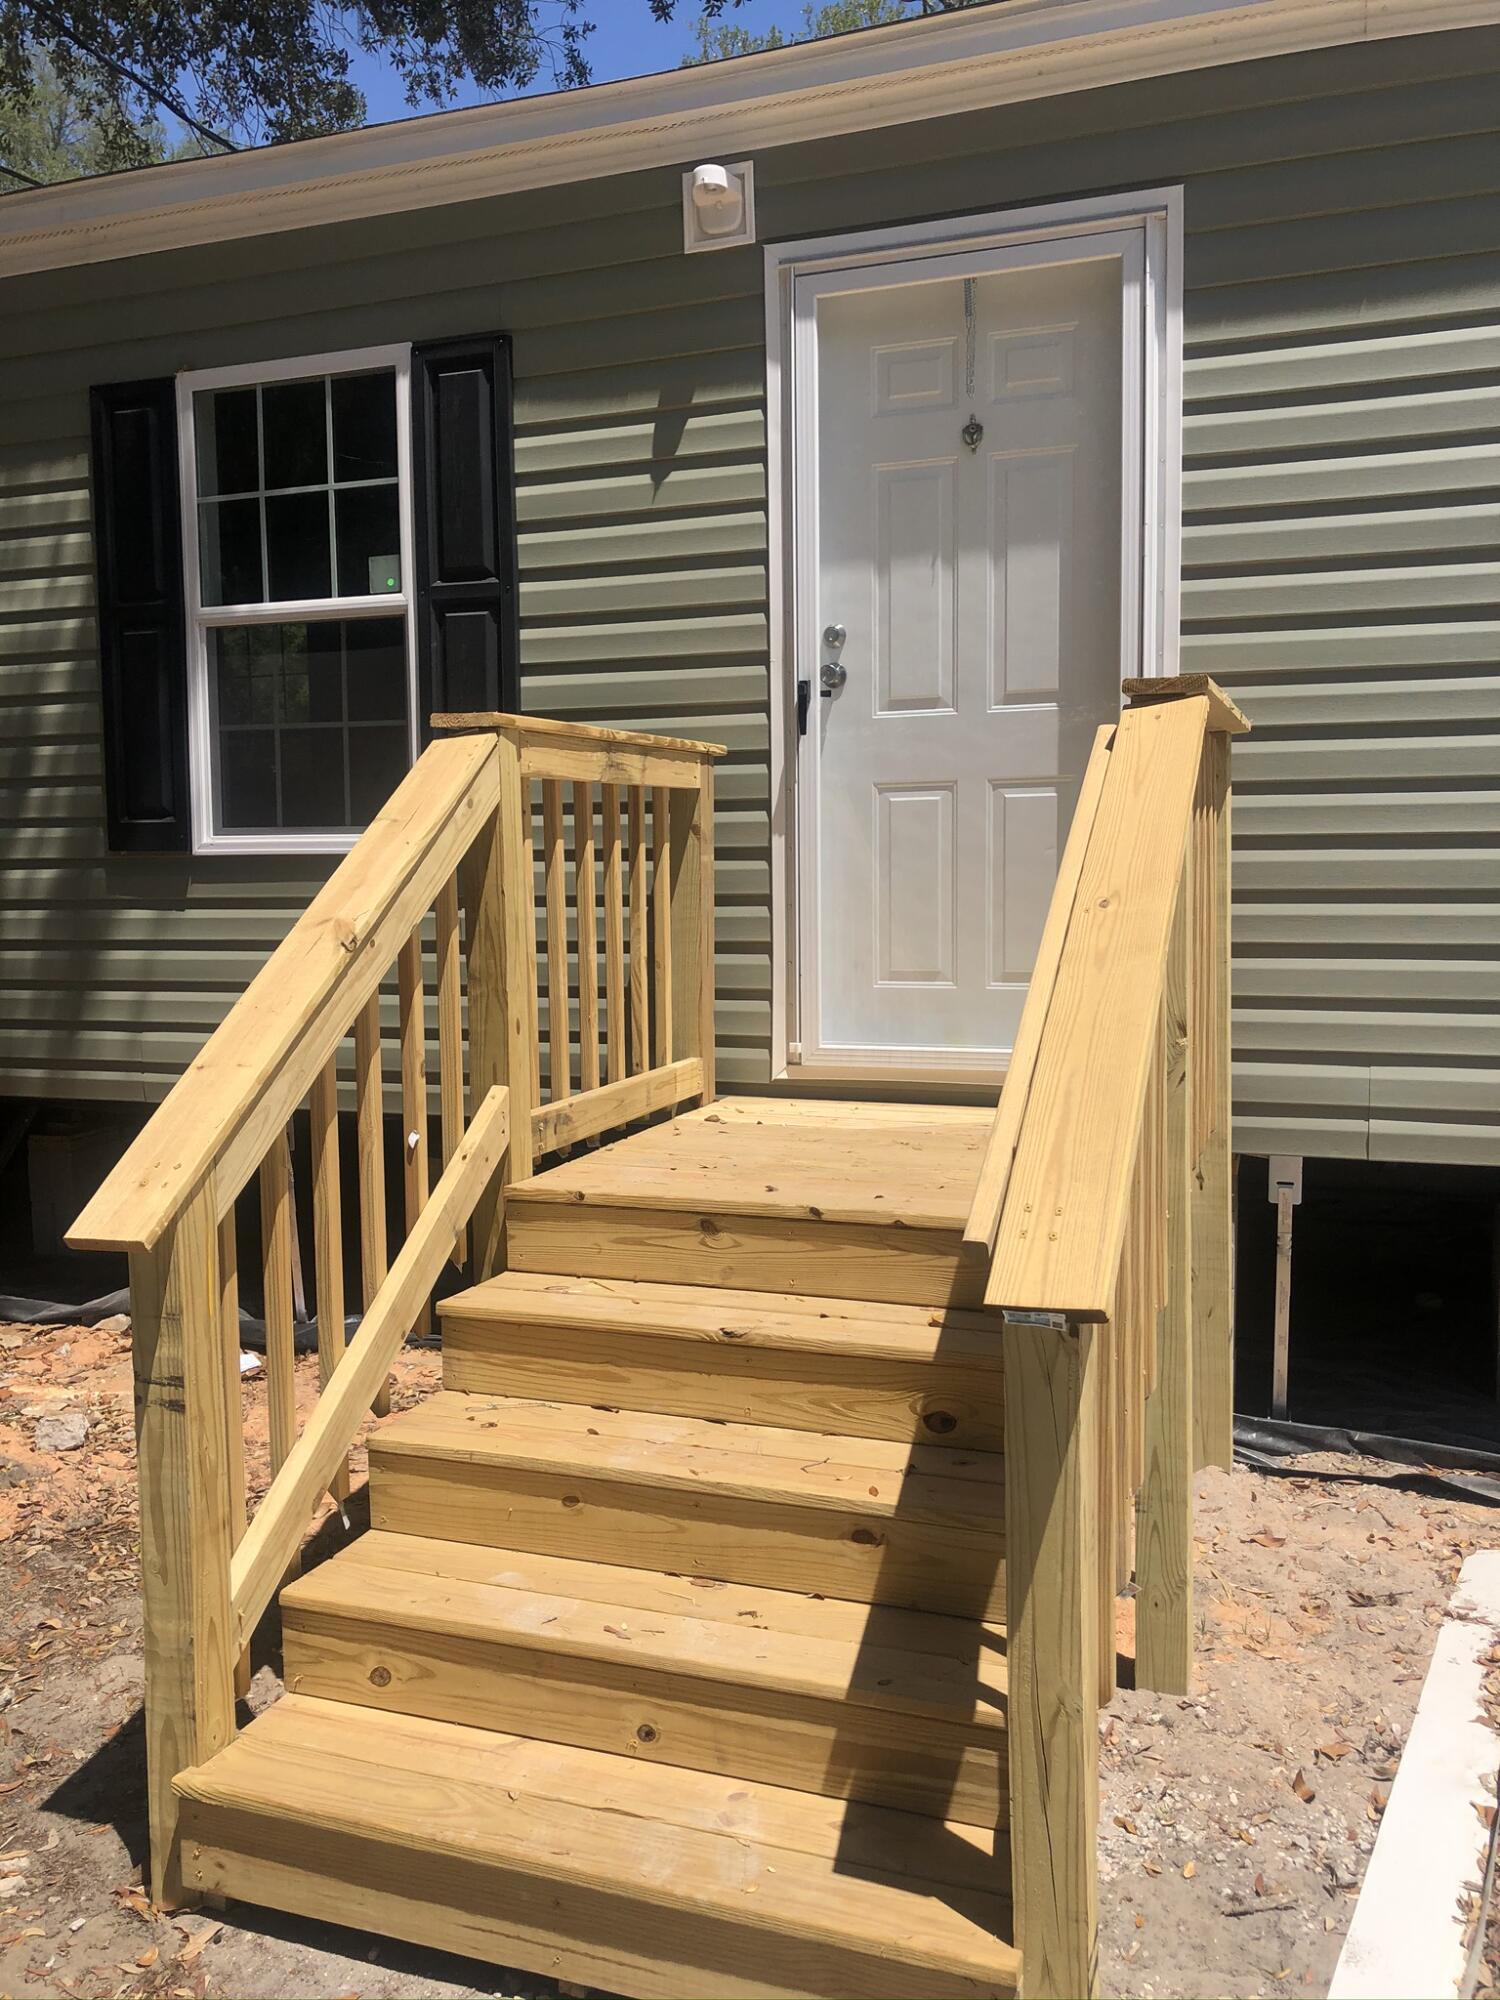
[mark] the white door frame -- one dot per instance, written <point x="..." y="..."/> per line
<point x="1151" y="428"/>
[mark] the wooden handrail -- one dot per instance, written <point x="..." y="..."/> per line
<point x="262" y="1060"/>
<point x="273" y="1536"/>
<point x="545" y="728"/>
<point x="1054" y="1187"/>
<point x="983" y="1225"/>
<point x="1063" y="1224"/>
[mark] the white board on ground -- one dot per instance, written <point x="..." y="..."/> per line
<point x="1407" y="1939"/>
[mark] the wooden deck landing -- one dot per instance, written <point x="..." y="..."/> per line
<point x="911" y="1164"/>
<point x="802" y="1195"/>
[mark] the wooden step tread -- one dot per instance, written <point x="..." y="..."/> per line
<point x="775" y="1641"/>
<point x="913" y="1167"/>
<point x="875" y="1477"/>
<point x="722" y="1317"/>
<point x="633" y="1877"/>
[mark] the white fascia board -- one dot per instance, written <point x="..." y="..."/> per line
<point x="925" y="68"/>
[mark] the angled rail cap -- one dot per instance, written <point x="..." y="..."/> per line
<point x="1223" y="714"/>
<point x="545" y="726"/>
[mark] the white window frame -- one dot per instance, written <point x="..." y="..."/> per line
<point x="202" y="618"/>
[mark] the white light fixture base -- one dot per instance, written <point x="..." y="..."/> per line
<point x="718" y="205"/>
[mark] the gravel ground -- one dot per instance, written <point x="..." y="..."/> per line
<point x="1234" y="1825"/>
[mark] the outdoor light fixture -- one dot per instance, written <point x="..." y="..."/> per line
<point x="718" y="206"/>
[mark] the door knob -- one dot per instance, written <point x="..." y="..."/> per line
<point x="833" y="674"/>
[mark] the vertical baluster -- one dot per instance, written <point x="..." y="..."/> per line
<point x="450" y="1036"/>
<point x="276" y="1264"/>
<point x="534" y="992"/>
<point x="692" y="928"/>
<point x="369" y="1111"/>
<point x="328" y="1237"/>
<point x="1213" y="1254"/>
<point x="276" y="1257"/>
<point x="1164" y="1548"/>
<point x="559" y="1040"/>
<point x="585" y="896"/>
<point x="413" y="1019"/>
<point x="640" y="1057"/>
<point x="661" y="921"/>
<point x="229" y="1328"/>
<point x="614" y="938"/>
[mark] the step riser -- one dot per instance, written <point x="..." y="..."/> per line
<point x="837" y="1395"/>
<point x="927" y="1566"/>
<point x="839" y="1749"/>
<point x="831" y="1260"/>
<point x="534" y="1923"/>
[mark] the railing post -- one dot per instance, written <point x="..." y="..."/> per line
<point x="1164" y="1516"/>
<point x="498" y="897"/>
<point x="185" y="1453"/>
<point x="692" y="924"/>
<point x="1213" y="1245"/>
<point x="1052" y="1648"/>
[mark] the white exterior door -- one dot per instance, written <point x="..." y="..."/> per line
<point x="970" y="543"/>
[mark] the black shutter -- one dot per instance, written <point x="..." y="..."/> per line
<point x="467" y="622"/>
<point x="142" y="645"/>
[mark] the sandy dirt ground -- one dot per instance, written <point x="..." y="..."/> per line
<point x="1234" y="1824"/>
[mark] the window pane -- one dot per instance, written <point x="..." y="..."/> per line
<point x="277" y="702"/>
<point x="377" y="764"/>
<point x="224" y="426"/>
<point x="243" y="676"/>
<point x="325" y="671"/>
<point x="297" y="556"/>
<point x="247" y="779"/>
<point x="229" y="551"/>
<point x="293" y="664"/>
<point x="312" y="778"/>
<point x="295" y="422"/>
<point x="377" y="669"/>
<point x="369" y="537"/>
<point x="364" y="426"/>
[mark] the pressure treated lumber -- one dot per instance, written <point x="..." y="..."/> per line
<point x="1066" y="1204"/>
<point x="260" y="1063"/>
<point x="544" y="728"/>
<point x="188" y="1515"/>
<point x="274" y="1534"/>
<point x="733" y="1196"/>
<point x="1052" y="1418"/>
<point x="837" y="1366"/>
<point x="607" y="1105"/>
<point x="893" y="1707"/>
<point x="616" y="1874"/>
<point x="881" y="1261"/>
<point x="1164" y="1521"/>
<point x="1212" y="1225"/>
<point x="1225" y="716"/>
<point x="328" y="1241"/>
<point x="744" y="1503"/>
<point x="983" y="1224"/>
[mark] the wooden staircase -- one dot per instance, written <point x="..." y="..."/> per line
<point x="730" y="1560"/>
<point x="736" y="1619"/>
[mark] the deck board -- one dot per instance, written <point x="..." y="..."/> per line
<point x="899" y="1165"/>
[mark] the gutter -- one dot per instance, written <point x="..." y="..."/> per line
<point x="935" y="67"/>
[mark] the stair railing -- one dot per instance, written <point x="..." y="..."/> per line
<point x="631" y="816"/>
<point x="1103" y="1207"/>
<point x="442" y="876"/>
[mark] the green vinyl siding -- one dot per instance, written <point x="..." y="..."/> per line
<point x="1340" y="549"/>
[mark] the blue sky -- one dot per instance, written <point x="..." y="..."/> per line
<point x="626" y="42"/>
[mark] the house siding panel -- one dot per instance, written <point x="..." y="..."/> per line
<point x="1341" y="550"/>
